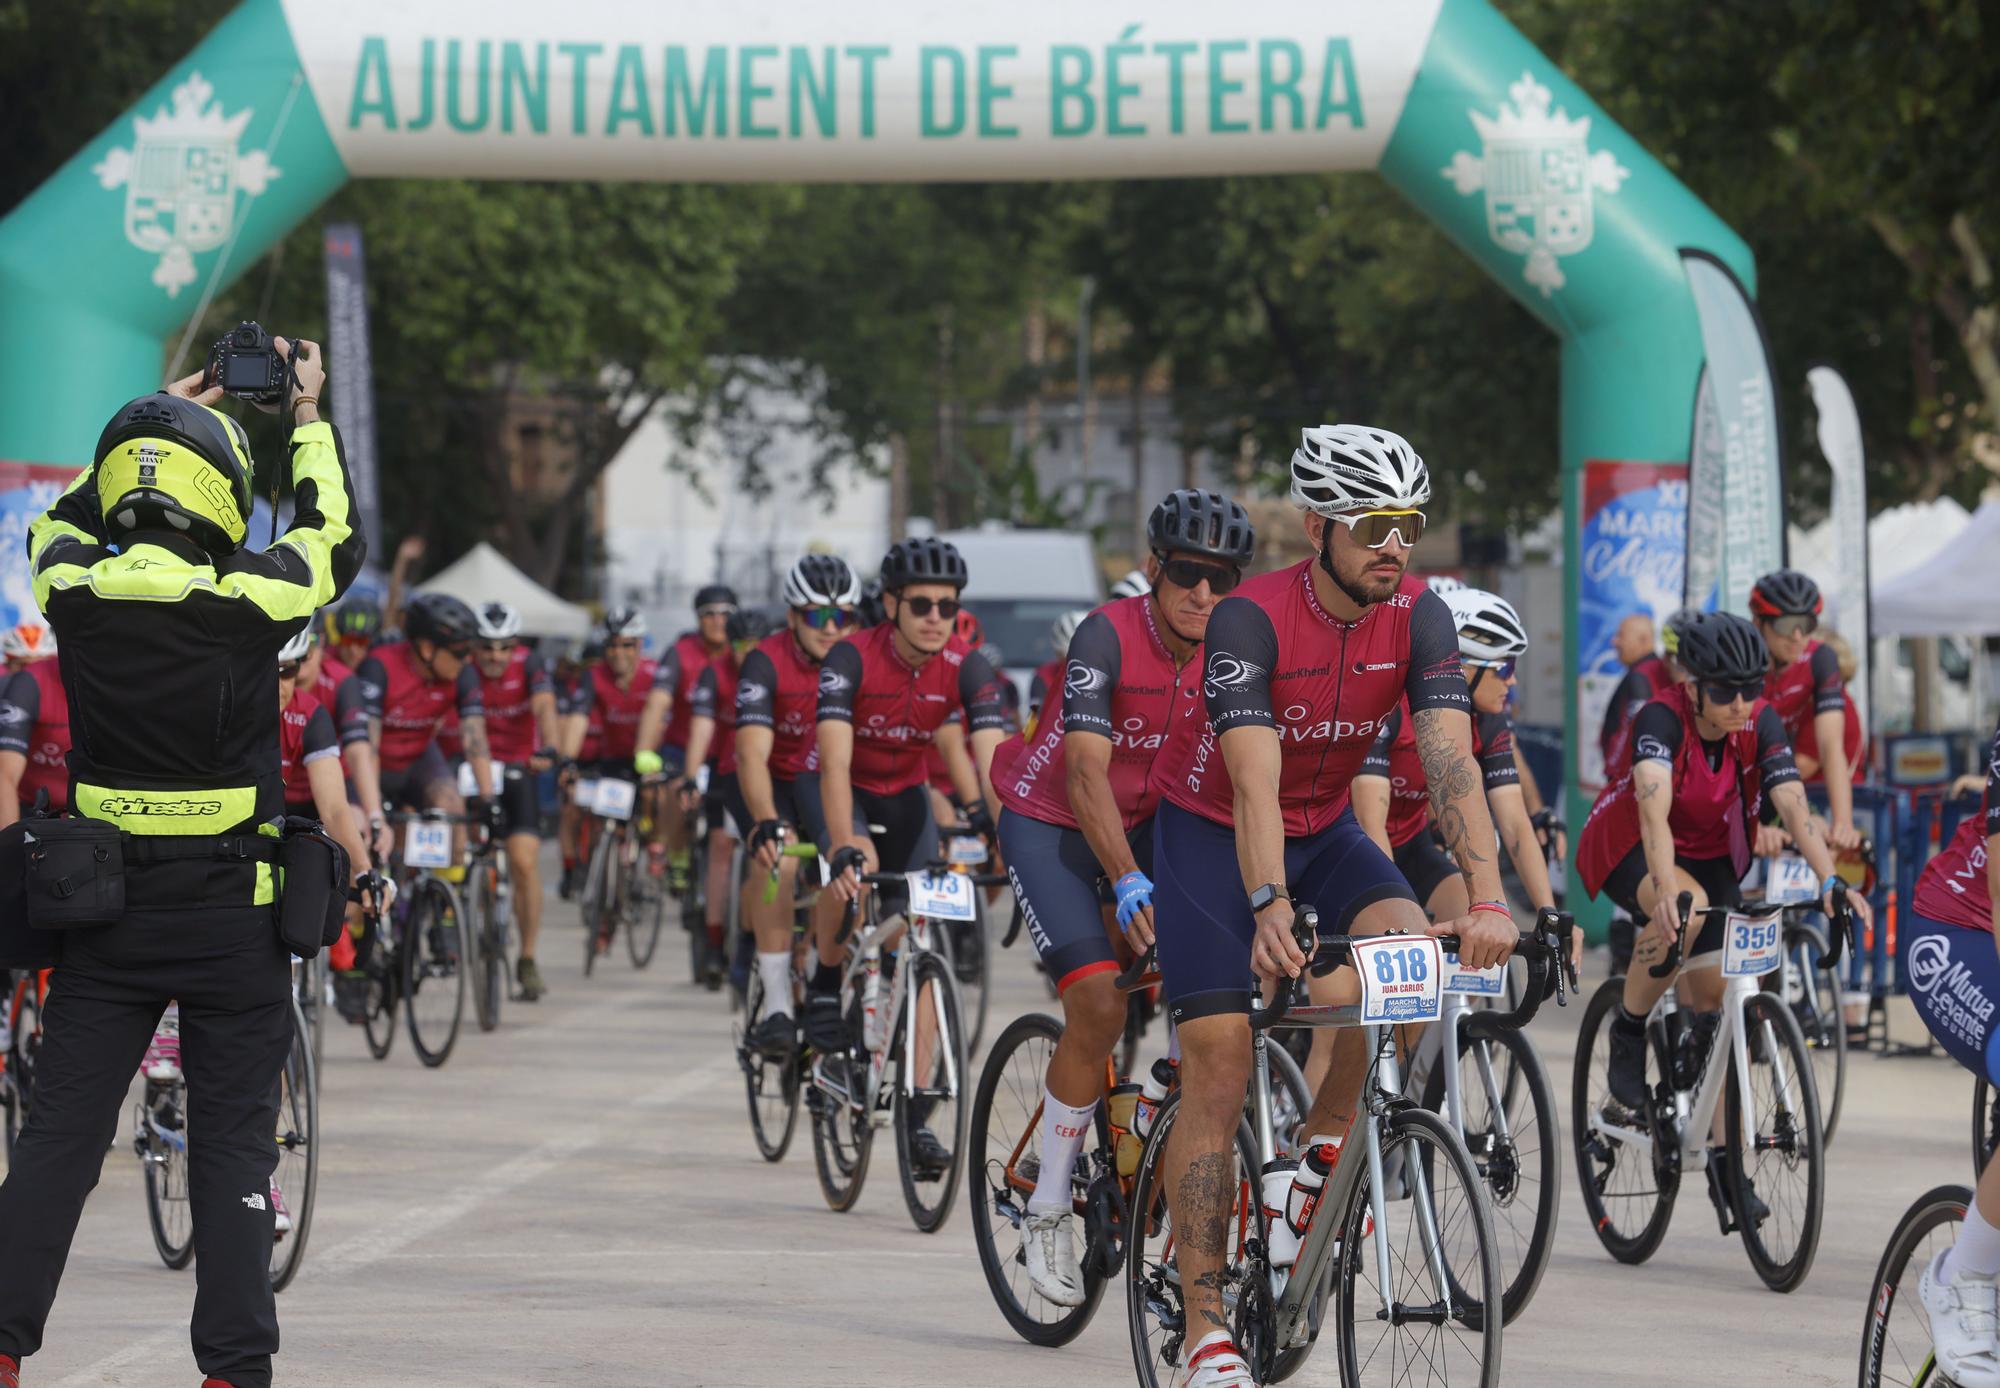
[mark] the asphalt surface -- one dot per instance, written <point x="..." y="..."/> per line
<point x="575" y="1199"/>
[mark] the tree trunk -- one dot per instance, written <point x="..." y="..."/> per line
<point x="899" y="486"/>
<point x="1035" y="354"/>
<point x="1140" y="503"/>
<point x="944" y="470"/>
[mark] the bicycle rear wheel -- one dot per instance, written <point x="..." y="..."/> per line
<point x="842" y="1138"/>
<point x="1005" y="1158"/>
<point x="1985" y="1123"/>
<point x="1896" y="1333"/>
<point x="1433" y="1319"/>
<point x="1627" y="1191"/>
<point x="1785" y="1163"/>
<point x="162" y="1143"/>
<point x="1814" y="995"/>
<point x="434" y="970"/>
<point x="25" y="1052"/>
<point x="296" y="1179"/>
<point x="930" y="1092"/>
<point x="772" y="1083"/>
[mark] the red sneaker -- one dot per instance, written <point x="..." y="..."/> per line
<point x="10" y="1371"/>
<point x="208" y="1383"/>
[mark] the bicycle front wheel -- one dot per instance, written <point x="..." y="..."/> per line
<point x="296" y="1181"/>
<point x="1813" y="992"/>
<point x="163" y="1151"/>
<point x="1780" y="1161"/>
<point x="1432" y="1316"/>
<point x="930" y="1094"/>
<point x="1896" y="1347"/>
<point x="600" y="895"/>
<point x="382" y="965"/>
<point x="1985" y="1123"/>
<point x="434" y="971"/>
<point x="772" y="1083"/>
<point x="645" y="914"/>
<point x="488" y="954"/>
<point x="1628" y="1191"/>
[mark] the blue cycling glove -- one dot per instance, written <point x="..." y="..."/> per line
<point x="1134" y="891"/>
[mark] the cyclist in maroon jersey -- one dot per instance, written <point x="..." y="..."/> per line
<point x="570" y="678"/>
<point x="352" y="630"/>
<point x="34" y="734"/>
<point x="1805" y="687"/>
<point x="390" y="712"/>
<point x="315" y="783"/>
<point x="1705" y="755"/>
<point x="1300" y="667"/>
<point x="772" y="790"/>
<point x="1076" y="826"/>
<point x="670" y="714"/>
<point x="712" y="744"/>
<point x="520" y="703"/>
<point x="26" y="642"/>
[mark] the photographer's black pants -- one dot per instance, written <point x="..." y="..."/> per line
<point x="232" y="980"/>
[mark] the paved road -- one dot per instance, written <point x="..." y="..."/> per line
<point x="575" y="1199"/>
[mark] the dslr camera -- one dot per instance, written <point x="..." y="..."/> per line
<point x="246" y="363"/>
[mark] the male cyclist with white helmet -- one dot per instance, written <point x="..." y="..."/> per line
<point x="1300" y="668"/>
<point x="520" y="701"/>
<point x="1076" y="825"/>
<point x="772" y="789"/>
<point x="24" y="643"/>
<point x="1135" y="584"/>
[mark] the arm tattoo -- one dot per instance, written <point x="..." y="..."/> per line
<point x="1207" y="1195"/>
<point x="472" y="733"/>
<point x="1452" y="779"/>
<point x="1649" y="790"/>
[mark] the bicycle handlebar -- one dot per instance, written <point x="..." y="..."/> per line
<point x="896" y="879"/>
<point x="1841" y="925"/>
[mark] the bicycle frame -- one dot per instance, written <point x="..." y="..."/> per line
<point x="917" y="942"/>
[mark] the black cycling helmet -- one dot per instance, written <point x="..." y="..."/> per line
<point x="357" y="619"/>
<point x="869" y="610"/>
<point x="1785" y="593"/>
<point x="750" y="624"/>
<point x="714" y="595"/>
<point x="440" y="619"/>
<point x="1208" y="524"/>
<point x="925" y="559"/>
<point x="166" y="463"/>
<point x="1722" y="648"/>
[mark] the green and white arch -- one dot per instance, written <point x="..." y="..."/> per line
<point x="285" y="101"/>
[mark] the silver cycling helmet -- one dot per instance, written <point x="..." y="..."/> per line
<point x="498" y="621"/>
<point x="1342" y="468"/>
<point x="1488" y="626"/>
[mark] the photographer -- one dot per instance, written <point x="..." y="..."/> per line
<point x="169" y="636"/>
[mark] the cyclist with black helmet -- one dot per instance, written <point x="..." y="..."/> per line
<point x="352" y="629"/>
<point x="391" y="710"/>
<point x="772" y="789"/>
<point x="1300" y="667"/>
<point x="34" y="729"/>
<point x="1805" y="687"/>
<point x="520" y="702"/>
<point x="670" y="716"/>
<point x="884" y="695"/>
<point x="1678" y="817"/>
<point x="1076" y="825"/>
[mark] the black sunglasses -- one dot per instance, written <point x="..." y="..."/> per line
<point x="458" y="650"/>
<point x="1191" y="574"/>
<point x="946" y="608"/>
<point x="1730" y="693"/>
<point x="289" y="670"/>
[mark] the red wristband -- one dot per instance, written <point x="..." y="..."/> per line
<point x="1498" y="908"/>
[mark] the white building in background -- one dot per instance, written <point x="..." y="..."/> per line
<point x="677" y="516"/>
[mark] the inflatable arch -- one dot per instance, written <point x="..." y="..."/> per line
<point x="286" y="100"/>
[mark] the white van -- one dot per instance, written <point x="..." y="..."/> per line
<point x="1020" y="582"/>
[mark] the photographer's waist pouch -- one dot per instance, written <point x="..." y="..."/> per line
<point x="312" y="890"/>
<point x="73" y="873"/>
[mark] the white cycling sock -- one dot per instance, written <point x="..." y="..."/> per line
<point x="1063" y="1131"/>
<point x="776" y="972"/>
<point x="1977" y="1251"/>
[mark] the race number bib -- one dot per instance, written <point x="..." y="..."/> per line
<point x="1792" y="881"/>
<point x="1750" y="946"/>
<point x="1400" y="977"/>
<point x="966" y="850"/>
<point x="427" y="844"/>
<point x="944" y="896"/>
<point x="584" y="794"/>
<point x="1476" y="983"/>
<point x="468" y="784"/>
<point x="614" y="798"/>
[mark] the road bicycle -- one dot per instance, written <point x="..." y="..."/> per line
<point x="1808" y="984"/>
<point x="967" y="942"/>
<point x="296" y="1180"/>
<point x="489" y="927"/>
<point x="1750" y="1059"/>
<point x="773" y="1082"/>
<point x="906" y="1066"/>
<point x="25" y="999"/>
<point x="414" y="949"/>
<point x="1401" y="1250"/>
<point x="1896" y="1347"/>
<point x="617" y="888"/>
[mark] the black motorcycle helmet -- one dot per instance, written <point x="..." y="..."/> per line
<point x="1785" y="593"/>
<point x="166" y="463"/>
<point x="1722" y="648"/>
<point x="1205" y="524"/>
<point x="440" y="619"/>
<point x="926" y="559"/>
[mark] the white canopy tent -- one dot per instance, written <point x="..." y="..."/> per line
<point x="1899" y="539"/>
<point x="1953" y="593"/>
<point x="484" y="574"/>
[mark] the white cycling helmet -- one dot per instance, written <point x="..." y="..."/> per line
<point x="498" y="621"/>
<point x="297" y="647"/>
<point x="1340" y="468"/>
<point x="628" y="622"/>
<point x="27" y="641"/>
<point x="1488" y="626"/>
<point x="1443" y="584"/>
<point x="1064" y="629"/>
<point x="821" y="580"/>
<point x="1133" y="585"/>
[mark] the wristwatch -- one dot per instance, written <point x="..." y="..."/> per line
<point x="1267" y="894"/>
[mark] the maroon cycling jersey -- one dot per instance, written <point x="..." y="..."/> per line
<point x="715" y="697"/>
<point x="1275" y="658"/>
<point x="1394" y="758"/>
<point x="617" y="709"/>
<point x="34" y="721"/>
<point x="778" y="688"/>
<point x="896" y="708"/>
<point x="1718" y="787"/>
<point x="1953" y="888"/>
<point x="1808" y="687"/>
<point x="332" y="674"/>
<point x="1043" y="685"/>
<point x="1640" y="684"/>
<point x="512" y="733"/>
<point x="569" y="699"/>
<point x="1118" y="682"/>
<point x="305" y="735"/>
<point x="679" y="669"/>
<point x="392" y="686"/>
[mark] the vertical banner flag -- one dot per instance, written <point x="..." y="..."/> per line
<point x="1744" y="431"/>
<point x="1703" y="576"/>
<point x="1847" y="587"/>
<point x="350" y="371"/>
<point x="1634" y="515"/>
